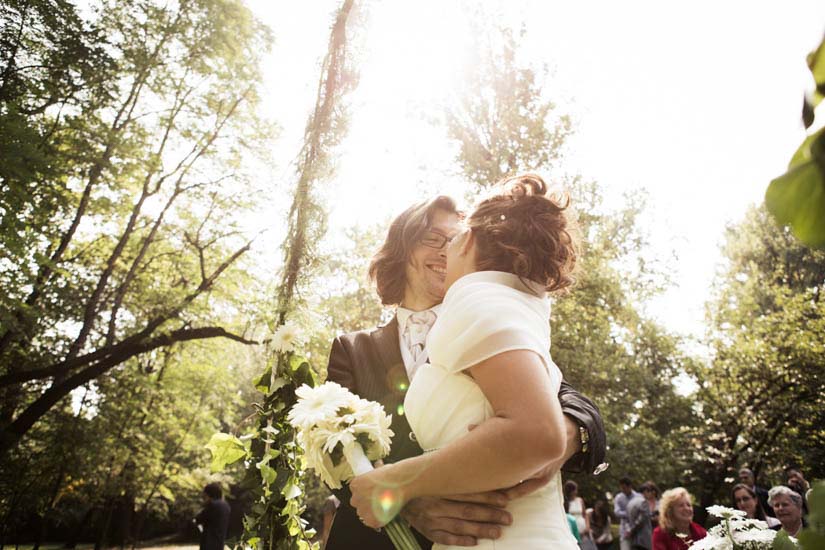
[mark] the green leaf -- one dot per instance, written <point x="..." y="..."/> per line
<point x="813" y="537"/>
<point x="804" y="153"/>
<point x="783" y="542"/>
<point x="263" y="381"/>
<point x="797" y="198"/>
<point x="296" y="361"/>
<point x="166" y="493"/>
<point x="816" y="62"/>
<point x="226" y="449"/>
<point x="278" y="383"/>
<point x="268" y="474"/>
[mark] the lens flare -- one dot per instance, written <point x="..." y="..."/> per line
<point x="400" y="410"/>
<point x="386" y="504"/>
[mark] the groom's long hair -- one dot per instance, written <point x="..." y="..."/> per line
<point x="388" y="266"/>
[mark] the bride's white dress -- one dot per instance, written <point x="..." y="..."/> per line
<point x="484" y="314"/>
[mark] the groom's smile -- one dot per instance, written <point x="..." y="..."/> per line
<point x="427" y="268"/>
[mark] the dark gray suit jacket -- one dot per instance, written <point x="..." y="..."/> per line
<point x="369" y="363"/>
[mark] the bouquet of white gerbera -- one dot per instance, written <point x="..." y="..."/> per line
<point x="736" y="532"/>
<point x="341" y="434"/>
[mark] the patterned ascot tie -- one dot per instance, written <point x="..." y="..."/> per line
<point x="418" y="325"/>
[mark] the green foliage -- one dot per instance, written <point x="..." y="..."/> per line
<point x="610" y="352"/>
<point x="122" y="129"/>
<point x="813" y="537"/>
<point x="503" y="122"/>
<point x="761" y="397"/>
<point x="135" y="440"/>
<point x="797" y="198"/>
<point x="783" y="542"/>
<point x="125" y="212"/>
<point x="276" y="475"/>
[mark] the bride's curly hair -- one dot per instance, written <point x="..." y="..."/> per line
<point x="524" y="232"/>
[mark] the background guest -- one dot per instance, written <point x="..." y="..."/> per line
<point x="788" y="507"/>
<point x="651" y="493"/>
<point x="796" y="481"/>
<point x="576" y="508"/>
<point x="620" y="510"/>
<point x="599" y="517"/>
<point x="746" y="477"/>
<point x="571" y="521"/>
<point x="214" y="518"/>
<point x="745" y="499"/>
<point x="638" y="517"/>
<point x="676" y="530"/>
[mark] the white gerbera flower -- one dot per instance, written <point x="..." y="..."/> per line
<point x="749" y="523"/>
<point x="318" y="405"/>
<point x="287" y="337"/>
<point x="712" y="542"/>
<point x="725" y="512"/>
<point x="761" y="537"/>
<point x="372" y="421"/>
<point x="330" y="419"/>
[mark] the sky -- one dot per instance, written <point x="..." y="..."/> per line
<point x="698" y="103"/>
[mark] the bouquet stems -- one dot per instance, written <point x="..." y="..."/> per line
<point x="398" y="530"/>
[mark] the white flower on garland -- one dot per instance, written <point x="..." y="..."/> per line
<point x="736" y="532"/>
<point x="333" y="423"/>
<point x="286" y="338"/>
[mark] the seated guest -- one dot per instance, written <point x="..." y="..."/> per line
<point x="787" y="504"/>
<point x="677" y="530"/>
<point x="744" y="498"/>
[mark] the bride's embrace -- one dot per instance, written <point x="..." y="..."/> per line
<point x="490" y="367"/>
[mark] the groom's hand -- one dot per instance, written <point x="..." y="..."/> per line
<point x="459" y="520"/>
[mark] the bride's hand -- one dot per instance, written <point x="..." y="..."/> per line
<point x="375" y="499"/>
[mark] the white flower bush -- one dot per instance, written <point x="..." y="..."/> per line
<point x="736" y="532"/>
<point x="331" y="422"/>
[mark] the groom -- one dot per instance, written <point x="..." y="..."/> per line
<point x="378" y="364"/>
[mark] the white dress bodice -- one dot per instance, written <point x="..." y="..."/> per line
<point x="484" y="314"/>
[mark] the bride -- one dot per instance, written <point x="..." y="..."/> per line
<point x="491" y="368"/>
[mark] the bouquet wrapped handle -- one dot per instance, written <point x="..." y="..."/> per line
<point x="358" y="461"/>
<point x="398" y="530"/>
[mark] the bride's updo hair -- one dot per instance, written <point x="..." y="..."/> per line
<point x="522" y="231"/>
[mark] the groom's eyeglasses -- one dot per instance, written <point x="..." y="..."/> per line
<point x="431" y="239"/>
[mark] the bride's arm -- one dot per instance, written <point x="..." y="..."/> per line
<point x="526" y="433"/>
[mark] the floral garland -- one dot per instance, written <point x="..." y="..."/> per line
<point x="274" y="461"/>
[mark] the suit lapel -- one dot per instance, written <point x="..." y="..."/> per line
<point x="391" y="369"/>
<point x="389" y="353"/>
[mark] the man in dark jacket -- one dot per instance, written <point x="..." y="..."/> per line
<point x="213" y="519"/>
<point x="378" y="365"/>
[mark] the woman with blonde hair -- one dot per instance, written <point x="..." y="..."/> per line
<point x="677" y="530"/>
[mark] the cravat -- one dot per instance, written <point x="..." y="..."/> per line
<point x="415" y="333"/>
